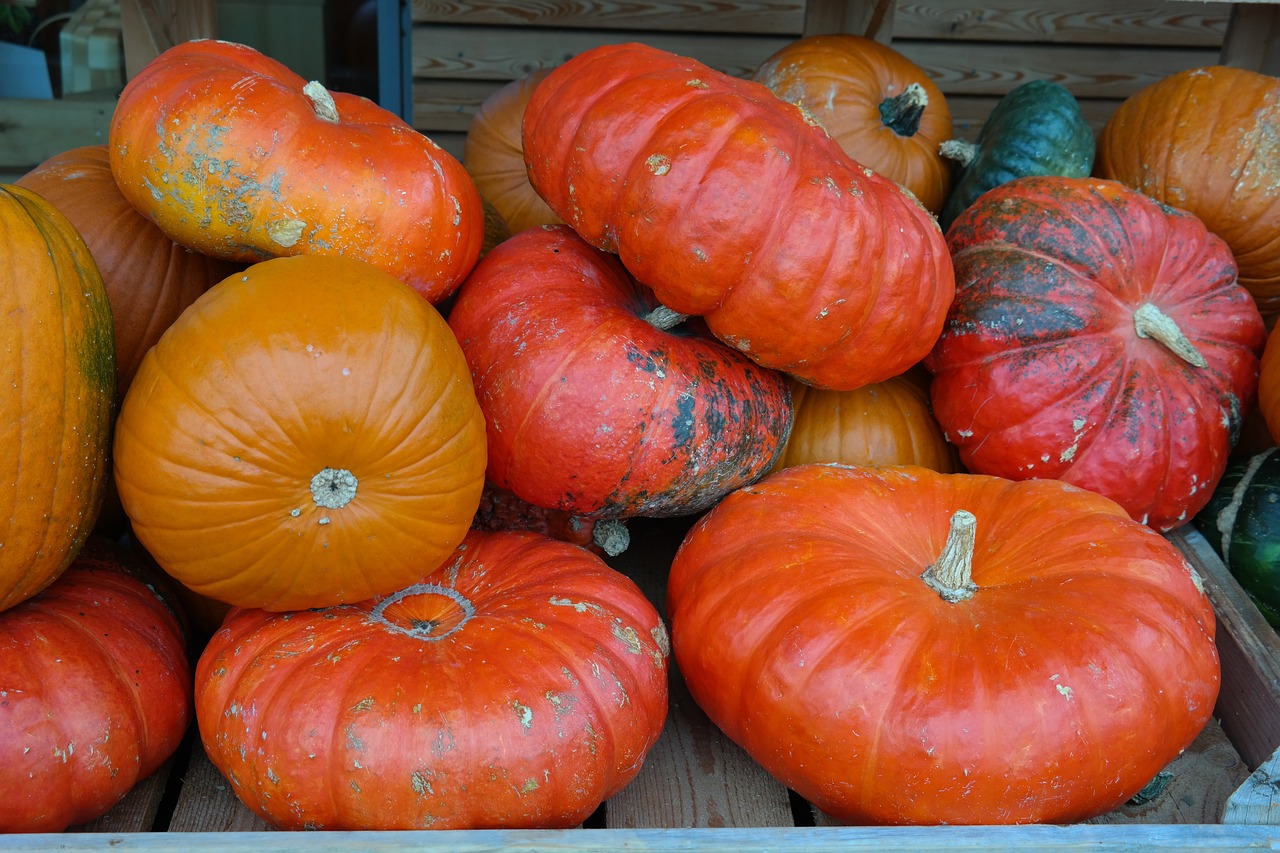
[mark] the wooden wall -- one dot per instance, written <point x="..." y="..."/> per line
<point x="1102" y="50"/>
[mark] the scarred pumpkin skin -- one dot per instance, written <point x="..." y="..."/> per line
<point x="881" y="107"/>
<point x="1082" y="663"/>
<point x="1049" y="366"/>
<point x="96" y="691"/>
<point x="305" y="434"/>
<point x="1207" y="140"/>
<point x="593" y="410"/>
<point x="730" y="205"/>
<point x="234" y="155"/>
<point x="519" y="684"/>
<point x="57" y="392"/>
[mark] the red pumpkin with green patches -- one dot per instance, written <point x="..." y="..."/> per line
<point x="1097" y="337"/>
<point x="594" y="406"/>
<point x="519" y="684"/>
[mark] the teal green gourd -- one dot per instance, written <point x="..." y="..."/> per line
<point x="1242" y="524"/>
<point x="1035" y="129"/>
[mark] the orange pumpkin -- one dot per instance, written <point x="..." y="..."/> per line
<point x="57" y="393"/>
<point x="233" y="154"/>
<point x="305" y="434"/>
<point x="885" y="423"/>
<point x="883" y="109"/>
<point x="494" y="155"/>
<point x="1207" y="140"/>
<point x="1269" y="388"/>
<point x="149" y="278"/>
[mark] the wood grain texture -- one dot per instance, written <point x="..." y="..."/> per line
<point x="1257" y="800"/>
<point x="749" y="16"/>
<point x="207" y="802"/>
<point x="138" y="811"/>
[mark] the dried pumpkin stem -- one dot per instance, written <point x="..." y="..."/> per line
<point x="664" y="318"/>
<point x="1150" y="322"/>
<point x="960" y="150"/>
<point x="902" y="112"/>
<point x="952" y="575"/>
<point x="321" y="101"/>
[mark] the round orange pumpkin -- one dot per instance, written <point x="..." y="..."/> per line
<point x="1207" y="140"/>
<point x="883" y="109"/>
<point x="149" y="278"/>
<point x="1269" y="386"/>
<point x="494" y="155"/>
<point x="305" y="434"/>
<point x="57" y="392"/>
<point x="885" y="423"/>
<point x="233" y="154"/>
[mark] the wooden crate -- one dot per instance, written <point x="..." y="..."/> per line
<point x="1101" y="50"/>
<point x="698" y="790"/>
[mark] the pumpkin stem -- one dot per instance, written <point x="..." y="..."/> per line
<point x="1150" y="322"/>
<point x="611" y="536"/>
<point x="333" y="488"/>
<point x="902" y="112"/>
<point x="960" y="150"/>
<point x="664" y="318"/>
<point x="321" y="101"/>
<point x="952" y="575"/>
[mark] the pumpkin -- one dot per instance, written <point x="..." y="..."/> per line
<point x="730" y="205"/>
<point x="885" y="423"/>
<point x="96" y="691"/>
<point x="501" y="510"/>
<point x="236" y="156"/>
<point x="57" y="392"/>
<point x="1207" y="140"/>
<point x="305" y="434"/>
<point x="1241" y="522"/>
<point x="149" y="278"/>
<point x="594" y="405"/>
<point x="901" y="646"/>
<point x="494" y="155"/>
<point x="1269" y="387"/>
<point x="519" y="684"/>
<point x="1099" y="338"/>
<point x="1034" y="129"/>
<point x="881" y="107"/>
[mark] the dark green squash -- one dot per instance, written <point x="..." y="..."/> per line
<point x="1242" y="523"/>
<point x="1035" y="129"/>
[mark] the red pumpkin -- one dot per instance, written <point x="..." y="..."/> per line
<point x="824" y="620"/>
<point x="1099" y="338"/>
<point x="95" y="692"/>
<point x="591" y="408"/>
<point x="1207" y="140"/>
<point x="883" y="109"/>
<point x="57" y="393"/>
<point x="305" y="434"/>
<point x="234" y="155"/>
<point x="730" y="205"/>
<point x="149" y="278"/>
<point x="494" y="156"/>
<point x="519" y="684"/>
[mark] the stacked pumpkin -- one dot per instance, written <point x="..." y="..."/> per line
<point x="723" y="303"/>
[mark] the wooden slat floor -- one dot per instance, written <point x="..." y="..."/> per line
<point x="695" y="778"/>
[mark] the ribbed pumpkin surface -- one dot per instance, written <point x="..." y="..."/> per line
<point x="57" y="389"/>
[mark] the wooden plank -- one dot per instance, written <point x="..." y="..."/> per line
<point x="1253" y="38"/>
<point x="923" y="839"/>
<point x="970" y="112"/>
<point x="870" y="18"/>
<point x="207" y="803"/>
<point x="505" y="53"/>
<point x="694" y="776"/>
<point x="138" y="810"/>
<point x="33" y="131"/>
<point x="741" y="16"/>
<point x="1258" y="799"/>
<point x="1249" y="650"/>
<point x="1127" y="23"/>
<point x="150" y="27"/>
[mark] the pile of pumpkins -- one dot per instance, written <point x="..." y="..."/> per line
<point x="323" y="437"/>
